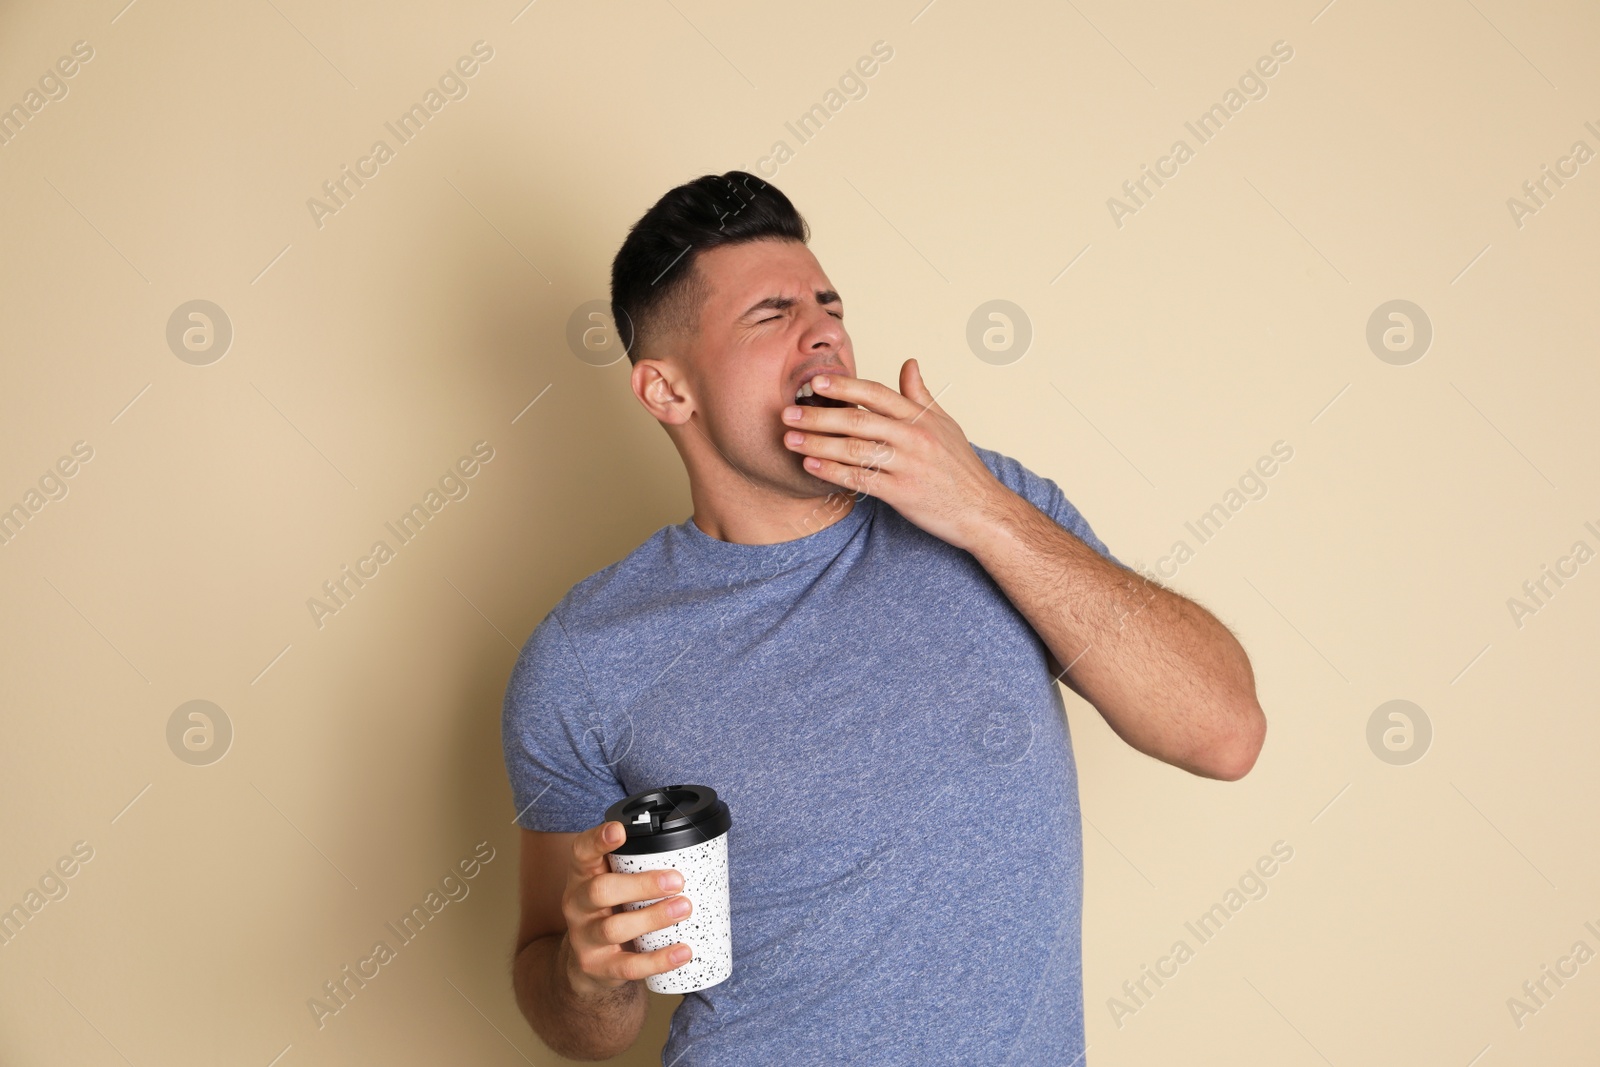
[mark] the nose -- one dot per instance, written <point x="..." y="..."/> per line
<point x="825" y="331"/>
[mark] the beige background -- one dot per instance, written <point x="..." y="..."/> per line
<point x="371" y="352"/>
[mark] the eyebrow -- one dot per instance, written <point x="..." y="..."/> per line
<point x="783" y="303"/>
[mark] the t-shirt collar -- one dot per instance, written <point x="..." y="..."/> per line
<point x="827" y="539"/>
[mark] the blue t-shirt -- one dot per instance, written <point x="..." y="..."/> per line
<point x="905" y="860"/>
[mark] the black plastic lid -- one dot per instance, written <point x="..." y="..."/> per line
<point x="669" y="818"/>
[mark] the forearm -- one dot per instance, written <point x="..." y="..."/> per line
<point x="1166" y="675"/>
<point x="574" y="1025"/>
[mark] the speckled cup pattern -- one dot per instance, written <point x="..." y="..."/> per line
<point x="707" y="930"/>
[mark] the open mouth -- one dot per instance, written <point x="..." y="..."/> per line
<point x="809" y="398"/>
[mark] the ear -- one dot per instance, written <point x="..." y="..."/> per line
<point x="660" y="389"/>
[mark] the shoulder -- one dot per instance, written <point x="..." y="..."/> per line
<point x="1016" y="476"/>
<point x="1002" y="466"/>
<point x="1044" y="494"/>
<point x="614" y="584"/>
<point x="598" y="611"/>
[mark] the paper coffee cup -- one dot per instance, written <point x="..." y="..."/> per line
<point x="684" y="827"/>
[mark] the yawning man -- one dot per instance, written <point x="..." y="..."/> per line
<point x="855" y="639"/>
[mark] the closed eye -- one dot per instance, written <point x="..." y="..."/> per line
<point x="771" y="318"/>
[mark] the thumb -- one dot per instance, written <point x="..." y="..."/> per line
<point x="912" y="386"/>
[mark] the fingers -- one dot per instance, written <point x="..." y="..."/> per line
<point x="621" y="927"/>
<point x="862" y="480"/>
<point x="600" y="931"/>
<point x="590" y="847"/>
<point x="600" y="887"/>
<point x="619" y="967"/>
<point x="617" y="888"/>
<point x="851" y="450"/>
<point x="874" y="396"/>
<point x="601" y="945"/>
<point x="848" y="422"/>
<point x="912" y="385"/>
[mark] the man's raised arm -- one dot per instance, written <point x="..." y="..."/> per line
<point x="1168" y="677"/>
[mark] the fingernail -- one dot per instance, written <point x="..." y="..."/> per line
<point x="819" y="382"/>
<point x="613" y="834"/>
<point x="791" y="413"/>
<point x="681" y="955"/>
<point x="672" y="881"/>
<point x="679" y="907"/>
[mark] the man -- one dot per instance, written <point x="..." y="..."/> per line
<point x="854" y="640"/>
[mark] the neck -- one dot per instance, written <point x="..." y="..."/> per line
<point x="754" y="518"/>
<point x="742" y="507"/>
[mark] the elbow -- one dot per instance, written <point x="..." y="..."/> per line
<point x="1238" y="756"/>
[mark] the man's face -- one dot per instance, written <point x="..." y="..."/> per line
<point x="770" y="321"/>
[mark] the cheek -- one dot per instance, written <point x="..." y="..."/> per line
<point x="747" y="401"/>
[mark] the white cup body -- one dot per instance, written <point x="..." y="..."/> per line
<point x="707" y="930"/>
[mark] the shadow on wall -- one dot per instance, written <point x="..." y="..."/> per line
<point x="585" y="475"/>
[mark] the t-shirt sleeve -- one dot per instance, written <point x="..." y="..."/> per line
<point x="553" y="735"/>
<point x="1045" y="495"/>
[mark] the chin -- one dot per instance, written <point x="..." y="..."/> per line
<point x="810" y="485"/>
<point x="803" y="482"/>
<point x="823" y="487"/>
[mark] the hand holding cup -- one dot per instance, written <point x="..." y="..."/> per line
<point x="683" y="828"/>
<point x="600" y="931"/>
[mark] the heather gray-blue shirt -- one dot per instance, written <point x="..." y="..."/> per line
<point x="905" y="861"/>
